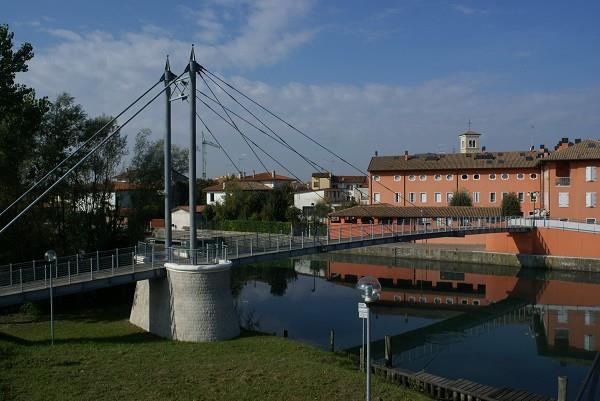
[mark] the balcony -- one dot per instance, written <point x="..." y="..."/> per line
<point x="563" y="181"/>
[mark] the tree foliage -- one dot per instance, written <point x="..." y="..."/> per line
<point x="511" y="205"/>
<point x="273" y="205"/>
<point x="461" y="198"/>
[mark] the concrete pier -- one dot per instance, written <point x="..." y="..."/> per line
<point x="193" y="303"/>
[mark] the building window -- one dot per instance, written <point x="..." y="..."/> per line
<point x="476" y="197"/>
<point x="396" y="178"/>
<point x="590" y="173"/>
<point x="437" y="300"/>
<point x="492" y="197"/>
<point x="449" y="301"/>
<point x="212" y="196"/>
<point x="590" y="318"/>
<point x="563" y="199"/>
<point x="449" y="196"/>
<point x="590" y="199"/>
<point x="412" y="197"/>
<point x="376" y="178"/>
<point x="504" y="195"/>
<point x="562" y="315"/>
<point x="464" y="177"/>
<point x="533" y="176"/>
<point x="376" y="197"/>
<point x="437" y="177"/>
<point x="422" y="300"/>
<point x="472" y="143"/>
<point x="476" y="302"/>
<point x="423" y="197"/>
<point x="476" y="177"/>
<point x="449" y="177"/>
<point x="438" y="197"/>
<point x="589" y="343"/>
<point x="422" y="177"/>
<point x="520" y="176"/>
<point x="590" y="220"/>
<point x="412" y="177"/>
<point x="397" y="197"/>
<point x="504" y="176"/>
<point x="521" y="196"/>
<point x="492" y="176"/>
<point x="464" y="301"/>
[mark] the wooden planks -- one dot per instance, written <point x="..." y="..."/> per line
<point x="441" y="388"/>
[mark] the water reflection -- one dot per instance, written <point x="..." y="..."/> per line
<point x="485" y="323"/>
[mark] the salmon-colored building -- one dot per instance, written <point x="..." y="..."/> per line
<point x="561" y="183"/>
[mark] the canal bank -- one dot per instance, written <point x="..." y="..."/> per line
<point x="473" y="254"/>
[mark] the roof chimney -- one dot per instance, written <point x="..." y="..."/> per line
<point x="406" y="155"/>
<point x="253" y="173"/>
<point x="376" y="153"/>
<point x="483" y="149"/>
<point x="273" y="173"/>
<point x="577" y="140"/>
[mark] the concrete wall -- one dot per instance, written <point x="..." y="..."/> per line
<point x="546" y="241"/>
<point x="193" y="303"/>
<point x="482" y="258"/>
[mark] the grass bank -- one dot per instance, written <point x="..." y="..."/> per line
<point x="98" y="355"/>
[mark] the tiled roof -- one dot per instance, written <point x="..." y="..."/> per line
<point x="588" y="149"/>
<point x="455" y="161"/>
<point x="231" y="185"/>
<point x="385" y="210"/>
<point x="321" y="175"/>
<point x="357" y="179"/>
<point x="267" y="177"/>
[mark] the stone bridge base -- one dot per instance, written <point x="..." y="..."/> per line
<point x="193" y="303"/>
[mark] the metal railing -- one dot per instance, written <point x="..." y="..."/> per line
<point x="34" y="275"/>
<point x="562" y="181"/>
<point x="559" y="224"/>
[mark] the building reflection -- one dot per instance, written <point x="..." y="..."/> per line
<point x="563" y="309"/>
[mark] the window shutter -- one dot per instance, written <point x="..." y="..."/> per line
<point x="593" y="169"/>
<point x="593" y="199"/>
<point x="563" y="199"/>
<point x="588" y="199"/>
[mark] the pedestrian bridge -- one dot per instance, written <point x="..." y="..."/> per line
<point x="30" y="281"/>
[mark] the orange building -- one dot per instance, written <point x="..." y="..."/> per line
<point x="562" y="183"/>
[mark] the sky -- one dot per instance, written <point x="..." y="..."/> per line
<point x="357" y="76"/>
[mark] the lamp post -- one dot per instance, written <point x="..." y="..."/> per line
<point x="50" y="256"/>
<point x="370" y="289"/>
<point x="534" y="196"/>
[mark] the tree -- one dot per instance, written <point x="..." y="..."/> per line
<point x="20" y="118"/>
<point x="147" y="172"/>
<point x="461" y="198"/>
<point x="511" y="205"/>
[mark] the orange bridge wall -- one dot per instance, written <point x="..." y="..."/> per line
<point x="545" y="241"/>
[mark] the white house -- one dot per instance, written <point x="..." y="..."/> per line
<point x="180" y="216"/>
<point x="306" y="200"/>
<point x="270" y="179"/>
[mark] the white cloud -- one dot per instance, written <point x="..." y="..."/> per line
<point x="468" y="10"/>
<point x="104" y="72"/>
<point x="63" y="34"/>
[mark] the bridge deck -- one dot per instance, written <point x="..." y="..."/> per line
<point x="30" y="281"/>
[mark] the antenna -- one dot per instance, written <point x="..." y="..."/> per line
<point x="203" y="145"/>
<point x="469" y="125"/>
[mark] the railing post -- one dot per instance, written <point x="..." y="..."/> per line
<point x="91" y="269"/>
<point x="167" y="251"/>
<point x="112" y="263"/>
<point x="372" y="228"/>
<point x="302" y="240"/>
<point x="381" y="229"/>
<point x="69" y="270"/>
<point x="327" y="234"/>
<point x="340" y="234"/>
<point x="133" y="259"/>
<point x="77" y="263"/>
<point x="98" y="260"/>
<point x="351" y="231"/>
<point x="21" y="278"/>
<point x="10" y="273"/>
<point x="33" y="269"/>
<point x="277" y="240"/>
<point x="45" y="276"/>
<point x="237" y="249"/>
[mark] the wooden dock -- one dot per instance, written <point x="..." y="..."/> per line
<point x="440" y="388"/>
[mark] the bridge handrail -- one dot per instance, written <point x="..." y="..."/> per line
<point x="153" y="256"/>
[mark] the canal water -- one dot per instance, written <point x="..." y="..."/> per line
<point x="489" y="324"/>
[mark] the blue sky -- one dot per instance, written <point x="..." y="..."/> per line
<point x="359" y="75"/>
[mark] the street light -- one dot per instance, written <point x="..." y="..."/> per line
<point x="534" y="196"/>
<point x="50" y="257"/>
<point x="370" y="289"/>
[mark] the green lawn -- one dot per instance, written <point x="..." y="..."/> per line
<point x="98" y="355"/>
